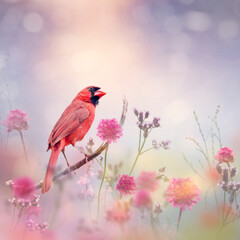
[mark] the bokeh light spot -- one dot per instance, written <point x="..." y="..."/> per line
<point x="178" y="111"/>
<point x="33" y="22"/>
<point x="228" y="29"/>
<point x="197" y="21"/>
<point x="173" y="25"/>
<point x="179" y="62"/>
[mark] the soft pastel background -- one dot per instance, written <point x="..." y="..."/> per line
<point x="168" y="57"/>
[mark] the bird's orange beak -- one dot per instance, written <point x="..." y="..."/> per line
<point x="99" y="93"/>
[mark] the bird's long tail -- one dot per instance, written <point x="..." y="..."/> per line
<point x="51" y="166"/>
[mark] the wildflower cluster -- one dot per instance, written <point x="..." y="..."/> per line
<point x="227" y="183"/>
<point x="164" y="144"/>
<point x="22" y="187"/>
<point x="145" y="128"/>
<point x="162" y="176"/>
<point x="142" y="199"/>
<point x="182" y="192"/>
<point x="120" y="212"/>
<point x="32" y="226"/>
<point x="225" y="155"/>
<point x="148" y="180"/>
<point x="114" y="170"/>
<point x="109" y="130"/>
<point x="16" y="120"/>
<point x="86" y="189"/>
<point x="144" y="125"/>
<point x="126" y="185"/>
<point x="23" y="204"/>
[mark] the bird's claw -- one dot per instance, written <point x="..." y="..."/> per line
<point x="86" y="156"/>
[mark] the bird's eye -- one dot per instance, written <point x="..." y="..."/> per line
<point x="91" y="89"/>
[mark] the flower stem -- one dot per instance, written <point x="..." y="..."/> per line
<point x="108" y="175"/>
<point x="145" y="184"/>
<point x="215" y="195"/>
<point x="89" y="204"/>
<point x="57" y="204"/>
<point x="146" y="150"/>
<point x="105" y="196"/>
<point x="179" y="218"/>
<point x="139" y="153"/>
<point x="139" y="143"/>
<point x="24" y="231"/>
<point x="229" y="209"/>
<point x="24" y="147"/>
<point x="13" y="215"/>
<point x="134" y="163"/>
<point x="153" y="226"/>
<point x="104" y="173"/>
<point x="18" y="219"/>
<point x="224" y="200"/>
<point x="224" y="221"/>
<point x="203" y="137"/>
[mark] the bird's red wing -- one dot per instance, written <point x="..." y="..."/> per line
<point x="70" y="120"/>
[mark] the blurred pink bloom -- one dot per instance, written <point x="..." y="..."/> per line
<point x="31" y="235"/>
<point x="91" y="172"/>
<point x="109" y="130"/>
<point x="182" y="192"/>
<point x="83" y="180"/>
<point x="126" y="185"/>
<point x="147" y="180"/>
<point x="225" y="155"/>
<point x="33" y="210"/>
<point x="92" y="235"/>
<point x="16" y="120"/>
<point x="142" y="199"/>
<point x="32" y="226"/>
<point x="23" y="188"/>
<point x="119" y="213"/>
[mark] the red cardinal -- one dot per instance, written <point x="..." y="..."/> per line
<point x="71" y="127"/>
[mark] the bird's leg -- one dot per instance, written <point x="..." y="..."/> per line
<point x="67" y="160"/>
<point x="86" y="157"/>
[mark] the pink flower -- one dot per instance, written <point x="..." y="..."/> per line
<point x="33" y="210"/>
<point x="126" y="185"/>
<point x="109" y="130"/>
<point x="83" y="180"/>
<point x="16" y="120"/>
<point x="147" y="180"/>
<point x="142" y="199"/>
<point x="91" y="172"/>
<point x="182" y="192"/>
<point x="225" y="155"/>
<point x="23" y="188"/>
<point x="119" y="213"/>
